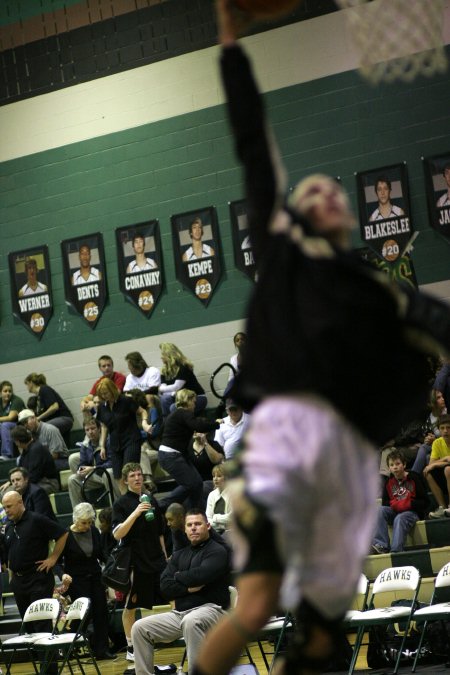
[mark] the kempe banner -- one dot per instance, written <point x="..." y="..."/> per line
<point x="242" y="246"/>
<point x="140" y="264"/>
<point x="31" y="293"/>
<point x="437" y="183"/>
<point x="196" y="249"/>
<point x="384" y="211"/>
<point x="84" y="276"/>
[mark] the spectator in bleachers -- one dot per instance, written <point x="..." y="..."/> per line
<point x="36" y="459"/>
<point x="442" y="381"/>
<point x="178" y="373"/>
<point x="10" y="407"/>
<point x="151" y="439"/>
<point x="205" y="453"/>
<point x="218" y="506"/>
<point x="437" y="472"/>
<point x="106" y="536"/>
<point x="117" y="416"/>
<point x="431" y="429"/>
<point x="175" y="515"/>
<point x="84" y="462"/>
<point x="146" y="539"/>
<point x="141" y="376"/>
<point x="51" y="407"/>
<point x="34" y="497"/>
<point x="173" y="451"/>
<point x="106" y="367"/>
<point x="404" y="501"/>
<point x="239" y="341"/>
<point x="80" y="557"/>
<point x="47" y="434"/>
<point x="233" y="427"/>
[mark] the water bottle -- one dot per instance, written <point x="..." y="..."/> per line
<point x="150" y="514"/>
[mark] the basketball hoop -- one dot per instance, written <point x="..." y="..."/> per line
<point x="397" y="39"/>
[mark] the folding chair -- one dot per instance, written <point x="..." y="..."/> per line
<point x="47" y="609"/>
<point x="390" y="580"/>
<point x="275" y="628"/>
<point x="68" y="646"/>
<point x="362" y="596"/>
<point x="435" y="611"/>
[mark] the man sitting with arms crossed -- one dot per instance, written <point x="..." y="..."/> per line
<point x="196" y="577"/>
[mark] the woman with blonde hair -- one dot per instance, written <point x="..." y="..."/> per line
<point x="177" y="373"/>
<point x="173" y="451"/>
<point x="50" y="406"/>
<point x="117" y="416"/>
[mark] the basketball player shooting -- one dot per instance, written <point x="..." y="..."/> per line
<point x="335" y="363"/>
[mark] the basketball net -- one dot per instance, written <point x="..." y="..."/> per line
<point x="397" y="39"/>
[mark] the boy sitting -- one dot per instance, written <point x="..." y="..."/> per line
<point x="437" y="472"/>
<point x="404" y="501"/>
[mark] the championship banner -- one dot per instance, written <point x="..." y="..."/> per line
<point x="242" y="246"/>
<point x="196" y="249"/>
<point x="84" y="276"/>
<point x="402" y="270"/>
<point x="31" y="293"/>
<point x="140" y="264"/>
<point x="437" y="182"/>
<point x="384" y="211"/>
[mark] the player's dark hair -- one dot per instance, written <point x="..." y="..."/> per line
<point x="396" y="454"/>
<point x="382" y="179"/>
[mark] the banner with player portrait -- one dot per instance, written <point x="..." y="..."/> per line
<point x="384" y="210"/>
<point x="140" y="264"/>
<point x="31" y="293"/>
<point x="437" y="182"/>
<point x="84" y="276"/>
<point x="196" y="248"/>
<point x="242" y="246"/>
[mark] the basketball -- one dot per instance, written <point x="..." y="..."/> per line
<point x="266" y="9"/>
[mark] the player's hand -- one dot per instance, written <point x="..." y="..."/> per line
<point x="45" y="565"/>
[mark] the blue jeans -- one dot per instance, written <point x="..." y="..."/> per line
<point x="422" y="458"/>
<point x="6" y="440"/>
<point x="401" y="523"/>
<point x="190" y="484"/>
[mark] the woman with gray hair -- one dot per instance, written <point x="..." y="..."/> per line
<point x="80" y="558"/>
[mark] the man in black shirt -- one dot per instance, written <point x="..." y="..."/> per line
<point x="197" y="578"/>
<point x="36" y="459"/>
<point x="34" y="497"/>
<point x="146" y="538"/>
<point x="26" y="541"/>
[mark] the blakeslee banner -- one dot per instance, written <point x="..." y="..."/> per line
<point x="31" y="294"/>
<point x="437" y="182"/>
<point x="140" y="264"/>
<point x="384" y="211"/>
<point x="84" y="276"/>
<point x="196" y="249"/>
<point x="242" y="246"/>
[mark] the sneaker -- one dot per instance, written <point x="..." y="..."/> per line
<point x="130" y="653"/>
<point x="377" y="549"/>
<point x="447" y="512"/>
<point x="439" y="513"/>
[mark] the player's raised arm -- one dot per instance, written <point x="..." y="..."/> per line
<point x="264" y="187"/>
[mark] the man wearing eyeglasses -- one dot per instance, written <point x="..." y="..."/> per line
<point x="26" y="543"/>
